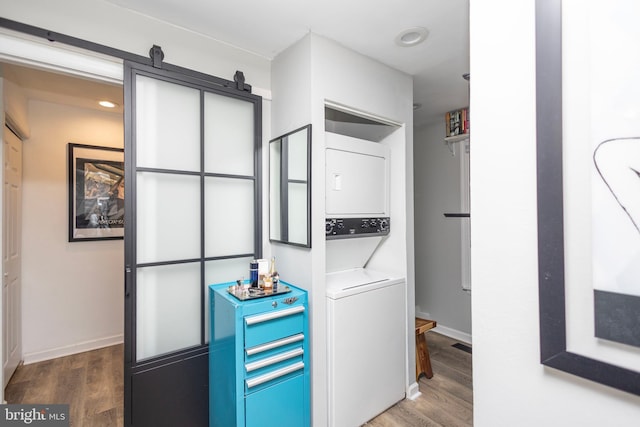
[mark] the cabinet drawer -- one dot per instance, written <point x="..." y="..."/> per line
<point x="273" y="325"/>
<point x="271" y="378"/>
<point x="270" y="370"/>
<point x="274" y="361"/>
<point x="273" y="347"/>
<point x="281" y="405"/>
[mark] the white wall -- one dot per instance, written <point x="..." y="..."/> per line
<point x="291" y="109"/>
<point x="306" y="75"/>
<point x="104" y="23"/>
<point x="511" y="387"/>
<point x="439" y="294"/>
<point x="15" y="107"/>
<point x="72" y="292"/>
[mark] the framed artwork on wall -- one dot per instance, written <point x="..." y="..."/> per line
<point x="96" y="192"/>
<point x="588" y="188"/>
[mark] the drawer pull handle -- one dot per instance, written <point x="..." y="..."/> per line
<point x="273" y="359"/>
<point x="274" y="344"/>
<point x="275" y="374"/>
<point x="273" y="315"/>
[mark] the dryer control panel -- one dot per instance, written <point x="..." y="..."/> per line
<point x="342" y="228"/>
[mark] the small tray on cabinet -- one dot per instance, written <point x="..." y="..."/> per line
<point x="244" y="294"/>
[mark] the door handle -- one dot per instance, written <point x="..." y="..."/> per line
<point x="273" y="359"/>
<point x="273" y="315"/>
<point x="274" y="344"/>
<point x="127" y="281"/>
<point x="275" y="374"/>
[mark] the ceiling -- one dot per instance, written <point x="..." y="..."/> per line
<point x="62" y="88"/>
<point x="266" y="28"/>
<point x="370" y="27"/>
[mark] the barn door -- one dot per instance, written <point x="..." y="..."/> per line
<point x="192" y="191"/>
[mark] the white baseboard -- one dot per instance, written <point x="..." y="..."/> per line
<point x="453" y="333"/>
<point x="445" y="330"/>
<point x="39" y="356"/>
<point x="413" y="392"/>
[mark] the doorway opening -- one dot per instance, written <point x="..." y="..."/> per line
<point x="72" y="292"/>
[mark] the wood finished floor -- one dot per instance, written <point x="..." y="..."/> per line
<point x="91" y="383"/>
<point x="446" y="399"/>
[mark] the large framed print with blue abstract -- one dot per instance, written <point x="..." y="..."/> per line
<point x="588" y="166"/>
<point x="96" y="192"/>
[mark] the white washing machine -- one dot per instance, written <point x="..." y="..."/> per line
<point x="366" y="309"/>
<point x="366" y="346"/>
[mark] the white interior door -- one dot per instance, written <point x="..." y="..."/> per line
<point x="11" y="280"/>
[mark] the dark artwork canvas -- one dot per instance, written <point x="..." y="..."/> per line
<point x="96" y="192"/>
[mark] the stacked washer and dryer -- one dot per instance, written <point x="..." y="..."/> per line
<point x="366" y="308"/>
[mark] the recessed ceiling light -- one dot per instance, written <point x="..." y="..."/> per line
<point x="108" y="104"/>
<point x="412" y="36"/>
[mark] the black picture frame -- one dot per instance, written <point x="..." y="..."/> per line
<point x="551" y="261"/>
<point x="96" y="192"/>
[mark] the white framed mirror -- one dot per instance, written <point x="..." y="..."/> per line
<point x="290" y="188"/>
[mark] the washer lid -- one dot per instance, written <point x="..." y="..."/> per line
<point x="357" y="280"/>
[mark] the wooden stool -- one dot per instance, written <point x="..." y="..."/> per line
<point x="423" y="362"/>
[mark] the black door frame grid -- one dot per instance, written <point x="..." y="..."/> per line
<point x="178" y="380"/>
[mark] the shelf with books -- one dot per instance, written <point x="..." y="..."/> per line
<point x="457" y="122"/>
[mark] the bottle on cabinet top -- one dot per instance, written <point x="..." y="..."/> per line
<point x="273" y="273"/>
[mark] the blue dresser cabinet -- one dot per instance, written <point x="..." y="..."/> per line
<point x="259" y="360"/>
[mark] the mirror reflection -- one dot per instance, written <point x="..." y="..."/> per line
<point x="289" y="188"/>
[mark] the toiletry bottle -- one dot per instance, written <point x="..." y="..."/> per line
<point x="253" y="269"/>
<point x="267" y="284"/>
<point x="275" y="277"/>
